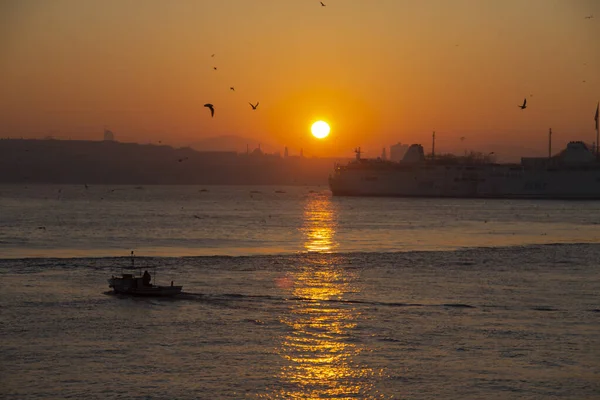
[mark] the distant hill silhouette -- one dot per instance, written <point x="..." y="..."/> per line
<point x="232" y="143"/>
<point x="109" y="162"/>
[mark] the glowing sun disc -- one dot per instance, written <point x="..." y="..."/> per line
<point x="320" y="129"/>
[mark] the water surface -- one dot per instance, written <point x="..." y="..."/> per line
<point x="297" y="295"/>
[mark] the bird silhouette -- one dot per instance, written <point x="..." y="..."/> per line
<point x="462" y="138"/>
<point x="232" y="88"/>
<point x="524" y="106"/>
<point x="212" y="55"/>
<point x="589" y="17"/>
<point x="182" y="159"/>
<point x="215" y="68"/>
<point x="211" y="108"/>
<point x="253" y="106"/>
<point x="322" y="4"/>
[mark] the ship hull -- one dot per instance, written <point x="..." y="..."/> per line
<point x="496" y="196"/>
<point x="493" y="181"/>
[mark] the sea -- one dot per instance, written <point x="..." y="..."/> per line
<point x="290" y="293"/>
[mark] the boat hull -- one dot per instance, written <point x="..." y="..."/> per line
<point x="130" y="287"/>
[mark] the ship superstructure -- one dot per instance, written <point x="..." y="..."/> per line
<point x="574" y="173"/>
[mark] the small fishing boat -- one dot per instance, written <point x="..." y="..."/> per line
<point x="140" y="284"/>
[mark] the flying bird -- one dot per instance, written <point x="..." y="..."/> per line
<point x="215" y="68"/>
<point x="589" y="17"/>
<point x="232" y="88"/>
<point x="322" y="4"/>
<point x="524" y="106"/>
<point x="253" y="106"/>
<point x="212" y="55"/>
<point x="211" y="108"/>
<point x="182" y="159"/>
<point x="462" y="138"/>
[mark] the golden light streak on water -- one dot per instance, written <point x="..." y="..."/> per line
<point x="320" y="351"/>
<point x="320" y="224"/>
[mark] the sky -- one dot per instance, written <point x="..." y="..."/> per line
<point x="378" y="71"/>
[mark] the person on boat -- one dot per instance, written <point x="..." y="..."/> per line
<point x="146" y="278"/>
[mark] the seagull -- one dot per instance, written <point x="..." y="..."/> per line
<point x="524" y="106"/>
<point x="253" y="106"/>
<point x="231" y="88"/>
<point x="212" y="109"/>
<point x="322" y="4"/>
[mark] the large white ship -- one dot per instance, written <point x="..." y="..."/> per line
<point x="574" y="173"/>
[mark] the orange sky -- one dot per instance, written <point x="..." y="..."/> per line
<point x="378" y="71"/>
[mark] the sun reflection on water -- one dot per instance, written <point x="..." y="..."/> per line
<point x="321" y="350"/>
<point x="320" y="223"/>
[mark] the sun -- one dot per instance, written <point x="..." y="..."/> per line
<point x="320" y="129"/>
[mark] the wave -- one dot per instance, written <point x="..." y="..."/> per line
<point x="246" y="300"/>
<point x="311" y="254"/>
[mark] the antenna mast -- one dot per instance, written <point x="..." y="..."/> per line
<point x="357" y="151"/>
<point x="597" y="120"/>
<point x="550" y="143"/>
<point x="433" y="146"/>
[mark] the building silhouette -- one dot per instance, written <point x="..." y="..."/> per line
<point x="109" y="136"/>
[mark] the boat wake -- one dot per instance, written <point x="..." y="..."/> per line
<point x="237" y="299"/>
